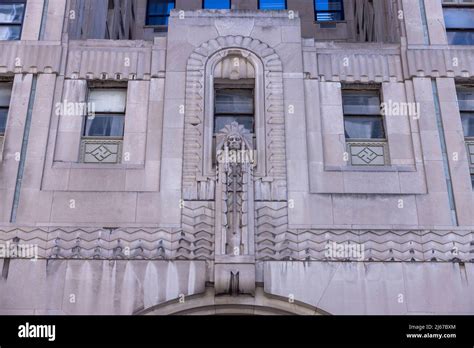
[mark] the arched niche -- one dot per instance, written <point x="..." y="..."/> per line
<point x="270" y="176"/>
<point x="242" y="68"/>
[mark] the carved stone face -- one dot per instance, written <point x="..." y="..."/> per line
<point x="234" y="141"/>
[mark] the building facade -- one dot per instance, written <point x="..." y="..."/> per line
<point x="244" y="156"/>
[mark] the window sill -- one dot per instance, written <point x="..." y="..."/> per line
<point x="334" y="22"/>
<point x="70" y="165"/>
<point x="386" y="168"/>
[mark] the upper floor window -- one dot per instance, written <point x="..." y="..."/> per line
<point x="459" y="23"/>
<point x="5" y="95"/>
<point x="158" y="11"/>
<point x="466" y="108"/>
<point x="11" y="19"/>
<point x="272" y="4"/>
<point x="234" y="104"/>
<point x="328" y="10"/>
<point x="362" y="116"/>
<point x="216" y="4"/>
<point x="105" y="112"/>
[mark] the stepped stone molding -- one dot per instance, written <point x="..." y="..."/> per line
<point x="357" y="63"/>
<point x="99" y="59"/>
<point x="195" y="186"/>
<point x="275" y="241"/>
<point x="197" y="220"/>
<point x="193" y="242"/>
<point x="30" y="57"/>
<point x="442" y="62"/>
<point x="360" y="67"/>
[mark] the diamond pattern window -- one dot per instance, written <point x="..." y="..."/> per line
<point x="362" y="117"/>
<point x="106" y="112"/>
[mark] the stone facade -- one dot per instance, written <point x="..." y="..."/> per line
<point x="148" y="224"/>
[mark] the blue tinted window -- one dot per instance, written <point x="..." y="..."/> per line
<point x="459" y="25"/>
<point x="329" y="10"/>
<point x="459" y="18"/>
<point x="272" y="4"/>
<point x="3" y="119"/>
<point x="216" y="4"/>
<point x="158" y="11"/>
<point x="104" y="126"/>
<point x="11" y="19"/>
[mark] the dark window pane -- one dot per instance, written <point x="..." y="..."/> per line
<point x="223" y="120"/>
<point x="157" y="20"/>
<point x="104" y="126"/>
<point x="460" y="37"/>
<point x="361" y="102"/>
<point x="328" y="5"/>
<point x="329" y="10"/>
<point x="459" y="18"/>
<point x="5" y="94"/>
<point x="10" y="32"/>
<point x="216" y="4"/>
<point x="11" y="13"/>
<point x="158" y="11"/>
<point x="472" y="180"/>
<point x="466" y="99"/>
<point x="467" y="119"/>
<point x="272" y="4"/>
<point x="364" y="127"/>
<point x="3" y="120"/>
<point x="234" y="101"/>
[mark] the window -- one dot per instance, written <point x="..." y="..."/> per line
<point x="362" y="117"/>
<point x="158" y="11"/>
<point x="11" y="19"/>
<point x="106" y="112"/>
<point x="466" y="107"/>
<point x="272" y="4"/>
<point x="216" y="4"/>
<point x="329" y="10"/>
<point x="234" y="104"/>
<point x="5" y="95"/>
<point x="459" y="25"/>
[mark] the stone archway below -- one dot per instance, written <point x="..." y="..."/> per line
<point x="209" y="304"/>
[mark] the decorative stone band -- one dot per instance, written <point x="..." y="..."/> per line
<point x="111" y="243"/>
<point x="366" y="245"/>
<point x="101" y="151"/>
<point x="367" y="153"/>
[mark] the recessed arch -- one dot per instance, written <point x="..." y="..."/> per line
<point x="208" y="304"/>
<point x="197" y="181"/>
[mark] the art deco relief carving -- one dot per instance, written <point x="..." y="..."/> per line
<point x="234" y="190"/>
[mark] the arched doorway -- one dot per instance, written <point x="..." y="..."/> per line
<point x="209" y="304"/>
